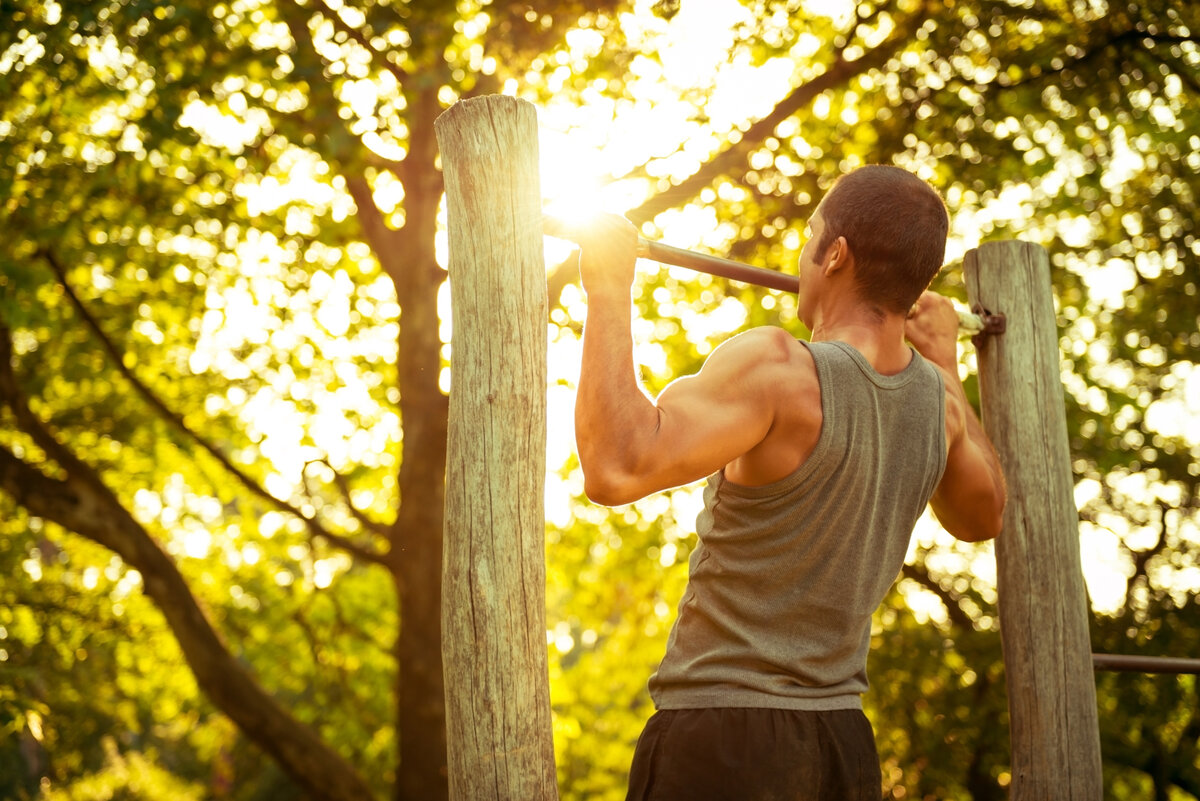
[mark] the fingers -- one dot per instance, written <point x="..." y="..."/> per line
<point x="588" y="230"/>
<point x="931" y="305"/>
<point x="608" y="253"/>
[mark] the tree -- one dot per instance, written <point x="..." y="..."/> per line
<point x="151" y="155"/>
<point x="228" y="221"/>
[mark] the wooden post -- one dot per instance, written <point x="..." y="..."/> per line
<point x="1043" y="604"/>
<point x="498" y="726"/>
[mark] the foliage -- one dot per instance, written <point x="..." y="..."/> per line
<point x="219" y="303"/>
<point x="1054" y="122"/>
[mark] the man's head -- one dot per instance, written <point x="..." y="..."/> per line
<point x="894" y="225"/>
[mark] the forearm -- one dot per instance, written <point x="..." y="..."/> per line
<point x="612" y="413"/>
<point x="970" y="500"/>
<point x="982" y="443"/>
<point x="974" y="433"/>
<point x="945" y="355"/>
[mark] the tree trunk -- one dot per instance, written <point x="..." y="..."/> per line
<point x="411" y="262"/>
<point x="84" y="505"/>
<point x="493" y="598"/>
<point x="1043" y="604"/>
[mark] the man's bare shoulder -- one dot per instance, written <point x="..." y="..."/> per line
<point x="786" y="376"/>
<point x="767" y="345"/>
<point x="770" y="357"/>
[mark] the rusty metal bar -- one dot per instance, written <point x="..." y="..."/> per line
<point x="976" y="322"/>
<point x="714" y="265"/>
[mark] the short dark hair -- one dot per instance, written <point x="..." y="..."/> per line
<point x="895" y="225"/>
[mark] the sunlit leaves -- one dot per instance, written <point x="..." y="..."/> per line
<point x="191" y="167"/>
<point x="1068" y="124"/>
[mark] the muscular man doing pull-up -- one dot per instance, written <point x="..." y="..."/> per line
<point x="820" y="456"/>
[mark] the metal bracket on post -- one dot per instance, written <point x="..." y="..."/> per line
<point x="992" y="324"/>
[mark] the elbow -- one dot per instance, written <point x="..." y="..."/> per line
<point x="974" y="522"/>
<point x="617" y="482"/>
<point x="995" y="519"/>
<point x="610" y="487"/>
<point x="989" y="529"/>
<point x="979" y="532"/>
<point x="990" y="523"/>
<point x="611" y="477"/>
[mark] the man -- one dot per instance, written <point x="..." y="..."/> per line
<point x="820" y="457"/>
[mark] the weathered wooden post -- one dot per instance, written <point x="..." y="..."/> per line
<point x="1043" y="604"/>
<point x="498" y="725"/>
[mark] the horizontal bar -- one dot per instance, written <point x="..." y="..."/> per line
<point x="714" y="265"/>
<point x="1146" y="664"/>
<point x="968" y="322"/>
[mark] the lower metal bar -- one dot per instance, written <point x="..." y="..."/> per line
<point x="1146" y="664"/>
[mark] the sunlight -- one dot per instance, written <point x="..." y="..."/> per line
<point x="194" y="539"/>
<point x="840" y="11"/>
<point x="575" y="184"/>
<point x="1106" y="567"/>
<point x="1177" y="413"/>
<point x="602" y="155"/>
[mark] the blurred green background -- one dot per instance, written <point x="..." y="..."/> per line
<point x="224" y="353"/>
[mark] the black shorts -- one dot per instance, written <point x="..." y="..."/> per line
<point x="756" y="755"/>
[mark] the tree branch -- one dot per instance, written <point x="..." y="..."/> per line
<point x="838" y="73"/>
<point x="314" y="526"/>
<point x="958" y="616"/>
<point x="375" y="229"/>
<point x="340" y="482"/>
<point x="1114" y="40"/>
<point x="82" y="505"/>
<point x="1180" y="70"/>
<point x="400" y="74"/>
<point x="27" y="421"/>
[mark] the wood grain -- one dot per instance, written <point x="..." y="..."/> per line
<point x="498" y="723"/>
<point x="1043" y="603"/>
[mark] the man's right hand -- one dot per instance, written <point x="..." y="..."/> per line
<point x="608" y="251"/>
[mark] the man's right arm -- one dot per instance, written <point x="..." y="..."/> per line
<point x="630" y="445"/>
<point x="969" y="501"/>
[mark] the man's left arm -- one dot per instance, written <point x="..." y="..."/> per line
<point x="969" y="501"/>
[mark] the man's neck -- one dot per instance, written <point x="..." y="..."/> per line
<point x="879" y="340"/>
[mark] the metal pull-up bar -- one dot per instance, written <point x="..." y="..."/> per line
<point x="976" y="322"/>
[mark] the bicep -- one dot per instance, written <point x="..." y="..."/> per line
<point x="706" y="420"/>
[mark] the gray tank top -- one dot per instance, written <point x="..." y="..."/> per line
<point x="786" y="576"/>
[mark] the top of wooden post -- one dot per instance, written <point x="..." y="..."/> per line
<point x="459" y="128"/>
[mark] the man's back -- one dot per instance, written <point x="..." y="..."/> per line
<point x="786" y="575"/>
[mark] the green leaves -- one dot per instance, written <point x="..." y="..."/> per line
<point x="208" y="176"/>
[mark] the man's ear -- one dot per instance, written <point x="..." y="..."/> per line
<point x="837" y="256"/>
